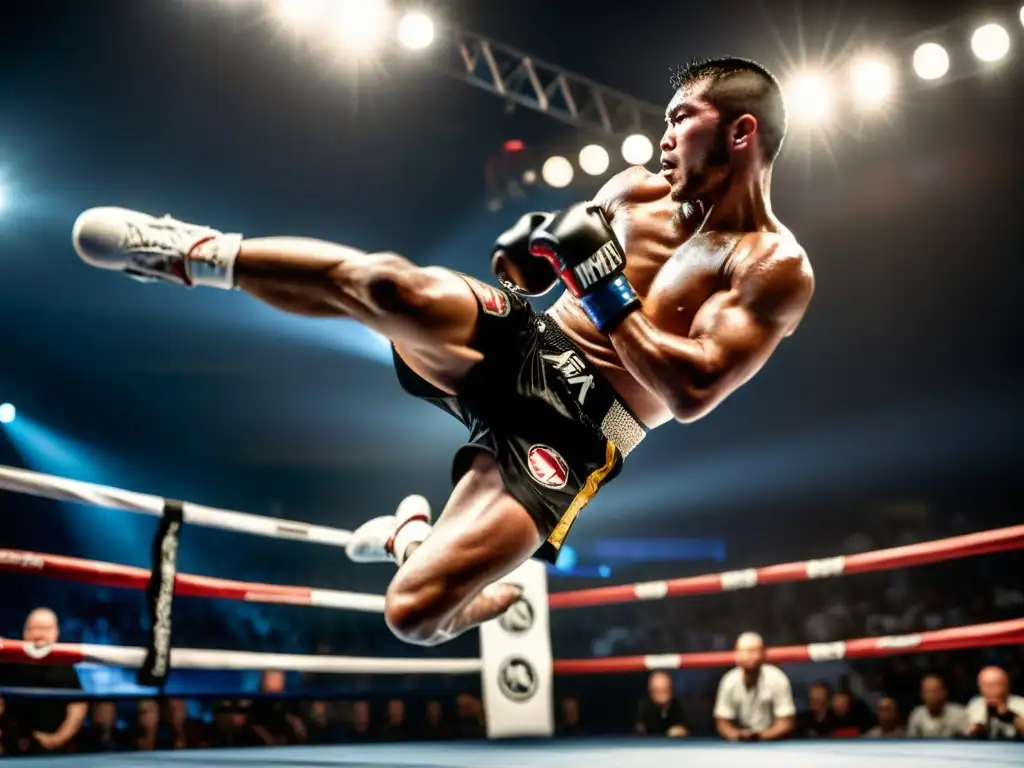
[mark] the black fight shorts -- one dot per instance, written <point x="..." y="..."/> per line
<point x="555" y="427"/>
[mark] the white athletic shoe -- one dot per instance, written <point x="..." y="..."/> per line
<point x="151" y="249"/>
<point x="410" y="523"/>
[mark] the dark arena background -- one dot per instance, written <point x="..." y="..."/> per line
<point x="877" y="456"/>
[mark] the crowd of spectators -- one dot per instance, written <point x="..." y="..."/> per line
<point x="944" y="695"/>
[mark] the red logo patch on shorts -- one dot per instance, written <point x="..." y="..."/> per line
<point x="493" y="301"/>
<point x="547" y="467"/>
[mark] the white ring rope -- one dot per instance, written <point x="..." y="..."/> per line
<point x="66" y="654"/>
<point x="62" y="489"/>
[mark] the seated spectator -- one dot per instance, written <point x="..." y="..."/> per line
<point x="435" y="727"/>
<point x="569" y="723"/>
<point x="149" y="733"/>
<point x="817" y="721"/>
<point x="395" y="728"/>
<point x="43" y="725"/>
<point x="846" y="724"/>
<point x="470" y="717"/>
<point x="361" y="725"/>
<point x="659" y="713"/>
<point x="936" y="718"/>
<point x="274" y="721"/>
<point x="230" y="725"/>
<point x="5" y="729"/>
<point x="996" y="714"/>
<point x="889" y="725"/>
<point x="186" y="732"/>
<point x="755" y="700"/>
<point x="320" y="728"/>
<point x="103" y="733"/>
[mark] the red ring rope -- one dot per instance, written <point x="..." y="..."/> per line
<point x="975" y="636"/>
<point x="127" y="577"/>
<point x="986" y="542"/>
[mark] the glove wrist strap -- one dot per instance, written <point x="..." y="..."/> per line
<point x="608" y="303"/>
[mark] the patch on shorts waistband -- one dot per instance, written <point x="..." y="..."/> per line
<point x="493" y="301"/>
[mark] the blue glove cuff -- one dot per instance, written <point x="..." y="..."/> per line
<point x="609" y="302"/>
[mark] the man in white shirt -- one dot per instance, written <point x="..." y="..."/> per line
<point x="936" y="718"/>
<point x="996" y="714"/>
<point x="755" y="700"/>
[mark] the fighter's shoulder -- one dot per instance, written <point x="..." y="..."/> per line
<point x="773" y="261"/>
<point x="633" y="185"/>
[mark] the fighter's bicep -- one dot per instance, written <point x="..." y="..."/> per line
<point x="732" y="335"/>
<point x="745" y="323"/>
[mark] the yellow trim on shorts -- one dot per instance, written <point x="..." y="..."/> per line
<point x="587" y="492"/>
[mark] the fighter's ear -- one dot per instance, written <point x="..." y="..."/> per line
<point x="744" y="129"/>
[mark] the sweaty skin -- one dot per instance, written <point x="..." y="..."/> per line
<point x="715" y="304"/>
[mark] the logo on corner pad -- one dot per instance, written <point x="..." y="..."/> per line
<point x="547" y="467"/>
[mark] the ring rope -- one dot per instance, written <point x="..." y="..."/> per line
<point x="63" y="489"/>
<point x="984" y="543"/>
<point x="128" y="577"/>
<point x="65" y="654"/>
<point x="954" y="638"/>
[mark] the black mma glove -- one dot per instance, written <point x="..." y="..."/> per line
<point x="580" y="245"/>
<point x="512" y="263"/>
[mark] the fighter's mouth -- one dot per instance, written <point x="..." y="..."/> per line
<point x="667" y="165"/>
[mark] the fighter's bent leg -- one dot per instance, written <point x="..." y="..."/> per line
<point x="447" y="585"/>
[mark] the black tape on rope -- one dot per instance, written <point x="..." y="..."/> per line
<point x="160" y="595"/>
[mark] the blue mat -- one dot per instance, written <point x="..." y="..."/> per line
<point x="595" y="753"/>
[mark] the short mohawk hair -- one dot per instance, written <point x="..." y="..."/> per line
<point x="738" y="87"/>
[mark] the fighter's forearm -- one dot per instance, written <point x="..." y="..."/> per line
<point x="304" y="276"/>
<point x="672" y="367"/>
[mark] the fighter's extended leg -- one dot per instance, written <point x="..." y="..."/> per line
<point x="429" y="313"/>
<point x="448" y="581"/>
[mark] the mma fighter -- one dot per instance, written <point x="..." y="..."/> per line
<point x="679" y="286"/>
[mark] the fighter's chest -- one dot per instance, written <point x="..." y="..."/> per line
<point x="674" y="289"/>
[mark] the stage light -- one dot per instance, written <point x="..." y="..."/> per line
<point x="529" y="177"/>
<point x="360" y="24"/>
<point x="990" y="42"/>
<point x="557" y="172"/>
<point x="3" y="197"/>
<point x="637" y="149"/>
<point x="931" y="61"/>
<point x="1022" y="14"/>
<point x="8" y="413"/>
<point x="594" y="159"/>
<point x="567" y="559"/>
<point x="604" y="571"/>
<point x="872" y="81"/>
<point x="299" y="14"/>
<point x="809" y="98"/>
<point x="416" y="30"/>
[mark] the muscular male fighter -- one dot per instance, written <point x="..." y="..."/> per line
<point x="668" y="309"/>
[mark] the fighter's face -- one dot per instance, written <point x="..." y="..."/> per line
<point x="694" y="148"/>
